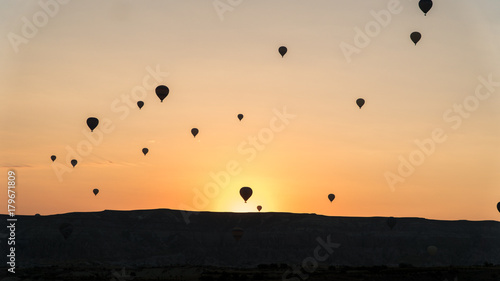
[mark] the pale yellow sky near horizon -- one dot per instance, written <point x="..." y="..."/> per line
<point x="302" y="135"/>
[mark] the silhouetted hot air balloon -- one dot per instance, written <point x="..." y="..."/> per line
<point x="95" y="191"/>
<point x="140" y="104"/>
<point x="331" y="197"/>
<point x="498" y="206"/>
<point x="53" y="157"/>
<point x="415" y="37"/>
<point x="92" y="122"/>
<point x="259" y="208"/>
<point x="425" y="6"/>
<point x="360" y="102"/>
<point x="240" y="116"/>
<point x="391" y="222"/>
<point x="245" y="193"/>
<point x="65" y="229"/>
<point x="194" y="132"/>
<point x="282" y="50"/>
<point x="432" y="250"/>
<point x="162" y="92"/>
<point x="145" y="151"/>
<point x="237" y="233"/>
<point x="74" y="162"/>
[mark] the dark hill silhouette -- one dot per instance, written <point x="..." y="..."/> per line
<point x="161" y="237"/>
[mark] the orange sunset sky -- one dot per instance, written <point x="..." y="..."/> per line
<point x="425" y="144"/>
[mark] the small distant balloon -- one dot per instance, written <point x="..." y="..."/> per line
<point x="95" y="191"/>
<point x="415" y="37"/>
<point x="194" y="132"/>
<point x="245" y="193"/>
<point x="391" y="222"/>
<point x="259" y="208"/>
<point x="74" y="162"/>
<point x="65" y="229"/>
<point x="145" y="151"/>
<point x="237" y="233"/>
<point x="498" y="206"/>
<point x="240" y="116"/>
<point x="360" y="102"/>
<point x="53" y="158"/>
<point x="162" y="92"/>
<point x="282" y="50"/>
<point x="425" y="6"/>
<point x="140" y="104"/>
<point x="331" y="197"/>
<point x="432" y="250"/>
<point x="92" y="122"/>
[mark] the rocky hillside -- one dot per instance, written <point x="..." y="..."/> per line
<point x="162" y="237"/>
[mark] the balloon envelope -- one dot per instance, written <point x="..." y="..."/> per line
<point x="498" y="206"/>
<point x="331" y="197"/>
<point x="162" y="92"/>
<point x="432" y="250"/>
<point x="145" y="151"/>
<point x="245" y="193"/>
<point x="240" y="116"/>
<point x="282" y="50"/>
<point x="140" y="104"/>
<point x="360" y="102"/>
<point x="92" y="122"/>
<point x="194" y="131"/>
<point x="259" y="208"/>
<point x="391" y="222"/>
<point x="237" y="233"/>
<point x="95" y="191"/>
<point x="53" y="157"/>
<point x="415" y="37"/>
<point x="65" y="229"/>
<point x="425" y="5"/>
<point x="74" y="162"/>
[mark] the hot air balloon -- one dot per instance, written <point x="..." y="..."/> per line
<point x="240" y="116"/>
<point x="194" y="132"/>
<point x="331" y="197"/>
<point x="498" y="206"/>
<point x="259" y="208"/>
<point x="74" y="162"/>
<point x="237" y="233"/>
<point x="360" y="102"/>
<point x="53" y="157"/>
<point x="245" y="193"/>
<point x="425" y="6"/>
<point x="92" y="122"/>
<point x="140" y="104"/>
<point x="145" y="151"/>
<point x="95" y="191"/>
<point x="391" y="222"/>
<point x="415" y="37"/>
<point x="162" y="92"/>
<point x="65" y="229"/>
<point x="282" y="50"/>
<point x="432" y="250"/>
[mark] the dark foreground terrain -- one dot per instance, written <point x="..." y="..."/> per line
<point x="173" y="245"/>
<point x="262" y="272"/>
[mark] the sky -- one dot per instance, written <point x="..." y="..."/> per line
<point x="425" y="143"/>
